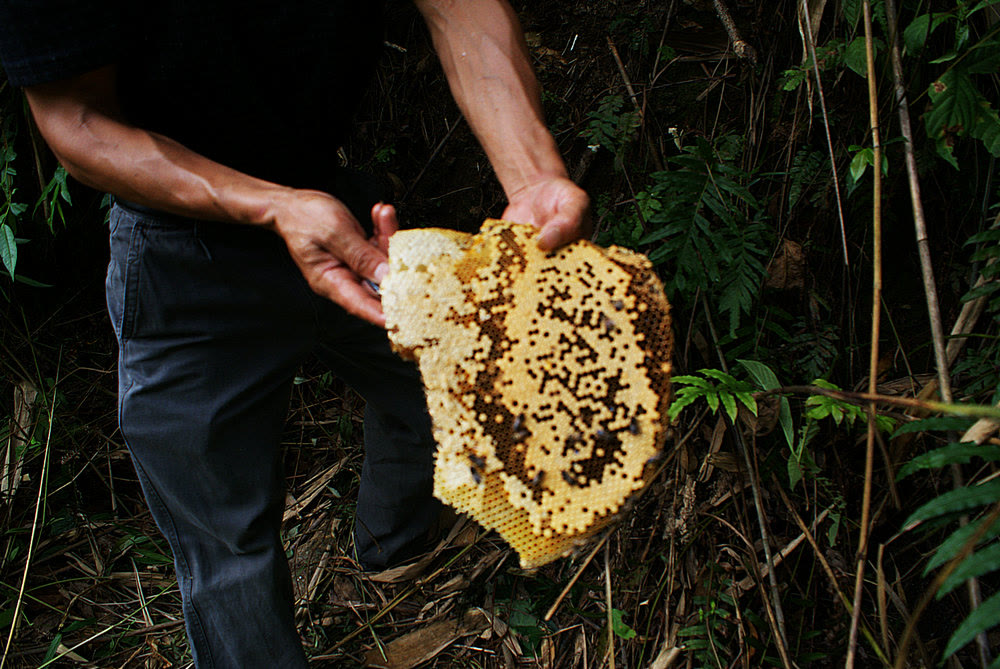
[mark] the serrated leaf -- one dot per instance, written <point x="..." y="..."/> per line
<point x="720" y="376"/>
<point x="712" y="398"/>
<point x="678" y="405"/>
<point x="950" y="547"/>
<point x="748" y="401"/>
<point x="980" y="620"/>
<point x="691" y="381"/>
<point x="956" y="500"/>
<point x="936" y="423"/>
<point x="8" y="248"/>
<point x="958" y="453"/>
<point x="729" y="404"/>
<point x="979" y="563"/>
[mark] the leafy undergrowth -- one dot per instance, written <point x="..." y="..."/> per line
<point x="743" y="551"/>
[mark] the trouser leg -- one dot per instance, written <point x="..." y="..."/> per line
<point x="211" y="330"/>
<point x="396" y="511"/>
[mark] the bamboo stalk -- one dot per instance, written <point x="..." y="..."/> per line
<point x="927" y="271"/>
<point x="919" y="222"/>
<point x="862" y="557"/>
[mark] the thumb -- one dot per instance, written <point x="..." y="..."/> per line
<point x="366" y="260"/>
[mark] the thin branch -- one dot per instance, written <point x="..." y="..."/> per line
<point x="811" y="48"/>
<point x="866" y="499"/>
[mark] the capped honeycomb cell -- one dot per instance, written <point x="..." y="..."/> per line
<point x="547" y="376"/>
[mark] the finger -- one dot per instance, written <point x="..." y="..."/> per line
<point x="386" y="223"/>
<point x="343" y="287"/>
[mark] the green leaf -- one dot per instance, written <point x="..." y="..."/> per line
<point x="977" y="564"/>
<point x="950" y="547"/>
<point x="956" y="500"/>
<point x="916" y="33"/>
<point x="987" y="129"/>
<point x="959" y="453"/>
<point x="691" y="381"/>
<point x="712" y="397"/>
<point x="8" y="248"/>
<point x="619" y="627"/>
<point x="856" y="56"/>
<point x="678" y="405"/>
<point x="936" y="423"/>
<point x="766" y="379"/>
<point x="980" y="620"/>
<point x="729" y="404"/>
<point x="795" y="472"/>
<point x="860" y="162"/>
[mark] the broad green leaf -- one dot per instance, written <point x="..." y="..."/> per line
<point x="852" y="11"/>
<point x="8" y="248"/>
<point x="959" y="453"/>
<point x="950" y="547"/>
<point x="860" y="162"/>
<point x="619" y="627"/>
<point x="977" y="564"/>
<point x="916" y="33"/>
<point x="956" y="500"/>
<point x="856" y="57"/>
<point x="987" y="129"/>
<point x="766" y="379"/>
<point x="980" y="620"/>
<point x="936" y="423"/>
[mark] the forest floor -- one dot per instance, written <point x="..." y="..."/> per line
<point x="684" y="580"/>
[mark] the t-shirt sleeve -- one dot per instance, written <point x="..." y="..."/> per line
<point x="49" y="40"/>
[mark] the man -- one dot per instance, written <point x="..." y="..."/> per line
<point x="215" y="125"/>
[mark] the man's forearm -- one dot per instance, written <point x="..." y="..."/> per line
<point x="97" y="148"/>
<point x="484" y="56"/>
<point x="80" y="120"/>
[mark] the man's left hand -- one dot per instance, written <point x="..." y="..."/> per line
<point x="557" y="206"/>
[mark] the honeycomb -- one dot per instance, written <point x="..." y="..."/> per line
<point x="547" y="376"/>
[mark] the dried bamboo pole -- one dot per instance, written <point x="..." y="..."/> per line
<point x="919" y="222"/>
<point x="862" y="557"/>
<point x="926" y="268"/>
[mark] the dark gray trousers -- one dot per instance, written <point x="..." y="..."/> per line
<point x="213" y="321"/>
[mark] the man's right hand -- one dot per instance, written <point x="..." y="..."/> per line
<point x="330" y="248"/>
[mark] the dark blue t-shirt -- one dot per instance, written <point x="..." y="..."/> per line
<point x="264" y="86"/>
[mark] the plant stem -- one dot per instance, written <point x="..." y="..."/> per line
<point x="862" y="557"/>
<point x="811" y="48"/>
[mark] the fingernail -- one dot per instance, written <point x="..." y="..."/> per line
<point x="381" y="271"/>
